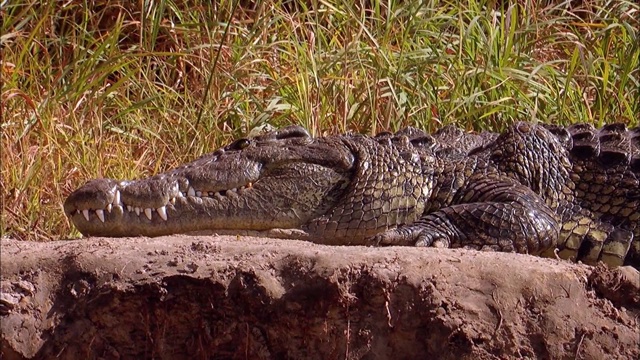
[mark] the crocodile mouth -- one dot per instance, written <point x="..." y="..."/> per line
<point x="176" y="199"/>
<point x="153" y="207"/>
<point x="276" y="182"/>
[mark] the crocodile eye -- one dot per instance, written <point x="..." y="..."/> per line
<point x="239" y="144"/>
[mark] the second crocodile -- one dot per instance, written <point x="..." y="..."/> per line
<point x="534" y="189"/>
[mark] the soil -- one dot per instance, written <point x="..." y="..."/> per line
<point x="227" y="297"/>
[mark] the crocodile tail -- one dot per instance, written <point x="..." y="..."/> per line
<point x="606" y="172"/>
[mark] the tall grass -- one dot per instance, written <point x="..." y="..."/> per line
<point x="124" y="90"/>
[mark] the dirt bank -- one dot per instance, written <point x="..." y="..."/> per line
<point x="250" y="298"/>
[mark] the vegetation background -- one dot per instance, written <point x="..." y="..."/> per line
<point x="125" y="89"/>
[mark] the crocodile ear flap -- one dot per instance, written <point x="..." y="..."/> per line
<point x="426" y="141"/>
<point x="294" y="131"/>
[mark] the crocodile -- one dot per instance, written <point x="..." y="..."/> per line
<point x="570" y="192"/>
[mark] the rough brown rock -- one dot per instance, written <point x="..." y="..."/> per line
<point x="228" y="297"/>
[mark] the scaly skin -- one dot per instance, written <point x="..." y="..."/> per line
<point x="532" y="189"/>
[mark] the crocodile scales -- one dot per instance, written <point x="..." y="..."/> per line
<point x="537" y="189"/>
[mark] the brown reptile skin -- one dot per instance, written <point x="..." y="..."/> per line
<point x="537" y="189"/>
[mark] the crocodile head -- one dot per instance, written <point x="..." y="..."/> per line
<point x="251" y="184"/>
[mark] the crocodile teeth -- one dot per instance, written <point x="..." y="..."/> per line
<point x="85" y="212"/>
<point x="129" y="208"/>
<point x="137" y="210"/>
<point x="100" y="214"/>
<point x="162" y="211"/>
<point x="199" y="193"/>
<point x="109" y="207"/>
<point x="173" y="201"/>
<point x="191" y="191"/>
<point x="147" y="211"/>
<point x="249" y="185"/>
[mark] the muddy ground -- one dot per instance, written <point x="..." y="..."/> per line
<point x="199" y="297"/>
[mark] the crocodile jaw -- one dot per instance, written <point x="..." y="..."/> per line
<point x="253" y="189"/>
<point x="237" y="208"/>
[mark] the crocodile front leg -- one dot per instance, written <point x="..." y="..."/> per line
<point x="488" y="214"/>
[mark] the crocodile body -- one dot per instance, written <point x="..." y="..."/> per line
<point x="535" y="189"/>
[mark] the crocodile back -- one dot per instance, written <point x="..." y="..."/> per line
<point x="456" y="138"/>
<point x="606" y="171"/>
<point x="606" y="166"/>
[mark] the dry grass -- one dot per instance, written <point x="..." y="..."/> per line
<point x="123" y="90"/>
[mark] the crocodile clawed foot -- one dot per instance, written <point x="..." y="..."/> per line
<point x="411" y="236"/>
<point x="432" y="240"/>
<point x="393" y="237"/>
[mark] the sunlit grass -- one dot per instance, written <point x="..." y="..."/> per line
<point x="109" y="89"/>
